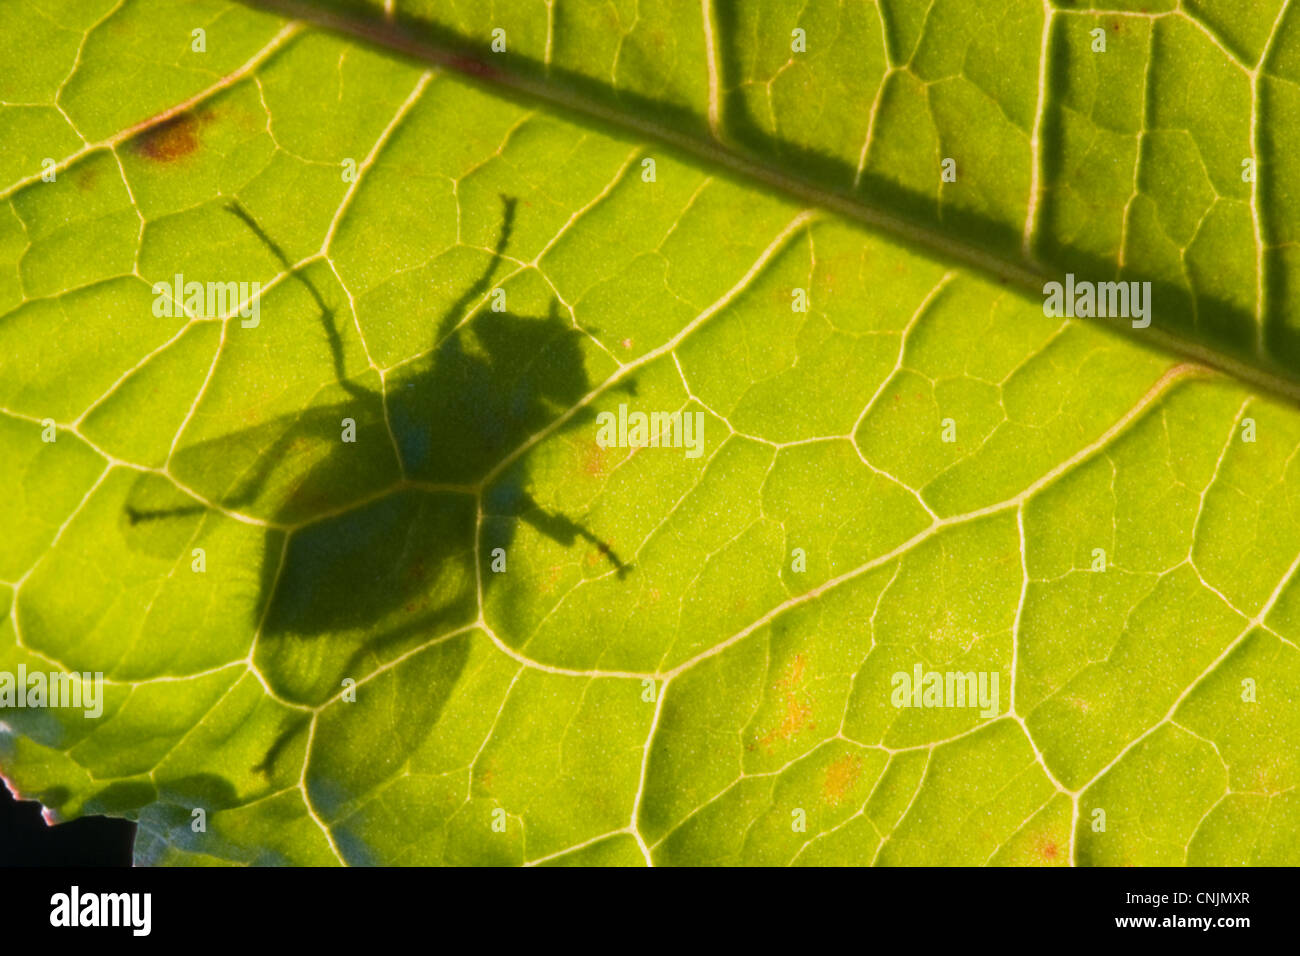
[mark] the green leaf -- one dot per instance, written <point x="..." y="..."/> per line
<point x="365" y="582"/>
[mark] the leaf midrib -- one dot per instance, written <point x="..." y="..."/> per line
<point x="1025" y="277"/>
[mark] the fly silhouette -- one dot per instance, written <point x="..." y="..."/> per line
<point x="382" y="575"/>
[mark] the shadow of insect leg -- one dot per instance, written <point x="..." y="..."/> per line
<point x="327" y="316"/>
<point x="564" y="530"/>
<point x="249" y="487"/>
<point x="138" y="515"/>
<point x="290" y="727"/>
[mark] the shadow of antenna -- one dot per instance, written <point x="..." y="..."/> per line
<point x="448" y="323"/>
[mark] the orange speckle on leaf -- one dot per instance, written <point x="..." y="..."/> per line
<point x="594" y="460"/>
<point x="840" y="778"/>
<point x="798" y="710"/>
<point x="796" y="672"/>
<point x="552" y="577"/>
<point x="795" y="719"/>
<point x="1078" y="703"/>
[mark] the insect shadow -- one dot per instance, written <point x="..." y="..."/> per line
<point x="382" y="575"/>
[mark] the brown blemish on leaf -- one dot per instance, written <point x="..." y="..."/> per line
<point x="172" y="139"/>
<point x="416" y="572"/>
<point x="85" y="179"/>
<point x="310" y="498"/>
<point x="840" y="778"/>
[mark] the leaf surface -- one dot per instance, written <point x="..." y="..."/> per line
<point x="475" y="634"/>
